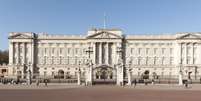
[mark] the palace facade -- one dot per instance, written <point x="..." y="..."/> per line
<point x="107" y="53"/>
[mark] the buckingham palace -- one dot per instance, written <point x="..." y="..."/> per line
<point x="105" y="54"/>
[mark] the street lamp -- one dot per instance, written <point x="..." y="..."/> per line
<point x="129" y="71"/>
<point x="29" y="74"/>
<point x="79" y="74"/>
<point x="180" y="75"/>
<point x="120" y="66"/>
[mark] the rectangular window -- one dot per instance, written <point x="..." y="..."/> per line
<point x="171" y="60"/>
<point x="52" y="73"/>
<point x="188" y="60"/>
<point x="147" y="51"/>
<point x="45" y="73"/>
<point x="69" y="50"/>
<point x="163" y="50"/>
<point x="155" y="50"/>
<point x="171" y="51"/>
<point x="139" y="50"/>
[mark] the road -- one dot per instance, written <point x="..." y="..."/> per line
<point x="98" y="93"/>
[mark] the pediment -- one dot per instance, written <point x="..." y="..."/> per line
<point x="20" y="36"/>
<point x="104" y="35"/>
<point x="189" y="36"/>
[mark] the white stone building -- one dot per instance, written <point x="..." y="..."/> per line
<point x="111" y="53"/>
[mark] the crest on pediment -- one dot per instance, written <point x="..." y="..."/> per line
<point x="190" y="36"/>
<point x="21" y="35"/>
<point x="104" y="35"/>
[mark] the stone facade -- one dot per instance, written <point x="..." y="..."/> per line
<point x="109" y="53"/>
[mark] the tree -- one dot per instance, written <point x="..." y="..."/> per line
<point x="4" y="57"/>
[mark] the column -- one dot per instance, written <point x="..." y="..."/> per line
<point x="186" y="55"/>
<point x="193" y="51"/>
<point x="94" y="53"/>
<point x="18" y="53"/>
<point x="11" y="58"/>
<point x="79" y="77"/>
<point x="24" y="53"/>
<point x="180" y="67"/>
<point x="100" y="53"/>
<point x="11" y="53"/>
<point x="129" y="76"/>
<point x="32" y="47"/>
<point x="107" y="53"/>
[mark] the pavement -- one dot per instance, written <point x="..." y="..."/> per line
<point x="196" y="87"/>
<point x="41" y="86"/>
<point x="100" y="93"/>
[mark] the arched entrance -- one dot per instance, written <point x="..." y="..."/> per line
<point x="61" y="74"/>
<point x="104" y="75"/>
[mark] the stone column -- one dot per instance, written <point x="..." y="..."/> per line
<point x="18" y="53"/>
<point x="100" y="53"/>
<point x="193" y="51"/>
<point x="11" y="59"/>
<point x="11" y="53"/>
<point x="129" y="76"/>
<point x="180" y="67"/>
<point x="79" y="77"/>
<point x="107" y="53"/>
<point x="32" y="63"/>
<point x="94" y="52"/>
<point x="89" y="73"/>
<point x="24" y="53"/>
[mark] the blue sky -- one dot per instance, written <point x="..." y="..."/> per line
<point x="77" y="16"/>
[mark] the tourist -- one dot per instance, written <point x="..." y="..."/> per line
<point x="37" y="82"/>
<point x="135" y="82"/>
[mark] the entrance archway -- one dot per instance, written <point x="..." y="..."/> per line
<point x="104" y="75"/>
<point x="61" y="74"/>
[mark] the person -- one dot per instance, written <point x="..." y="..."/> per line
<point x="200" y="80"/>
<point x="45" y="81"/>
<point x="37" y="82"/>
<point x="186" y="84"/>
<point x="135" y="82"/>
<point x="152" y="81"/>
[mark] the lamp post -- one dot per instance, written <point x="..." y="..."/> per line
<point x="79" y="75"/>
<point x="89" y="51"/>
<point x="88" y="78"/>
<point x="180" y="75"/>
<point x="120" y="68"/>
<point x="129" y="71"/>
<point x="28" y="77"/>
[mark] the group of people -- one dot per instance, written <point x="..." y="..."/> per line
<point x="18" y="81"/>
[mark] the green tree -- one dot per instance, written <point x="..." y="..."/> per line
<point x="4" y="57"/>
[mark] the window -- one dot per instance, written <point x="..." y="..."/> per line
<point x="163" y="50"/>
<point x="147" y="60"/>
<point x="76" y="50"/>
<point x="188" y="60"/>
<point x="139" y="50"/>
<point x="171" y="51"/>
<point x="45" y="73"/>
<point x="69" y="50"/>
<point x="194" y="61"/>
<point x="171" y="60"/>
<point x="139" y="60"/>
<point x="52" y="73"/>
<point x="155" y="50"/>
<point x="188" y="50"/>
<point x="163" y="60"/>
<point x="61" y="50"/>
<point x="131" y="51"/>
<point x="45" y="51"/>
<point x="155" y="59"/>
<point x="147" y="50"/>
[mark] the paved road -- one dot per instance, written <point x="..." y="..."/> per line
<point x="98" y="93"/>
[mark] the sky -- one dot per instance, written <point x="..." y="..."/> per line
<point x="78" y="16"/>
